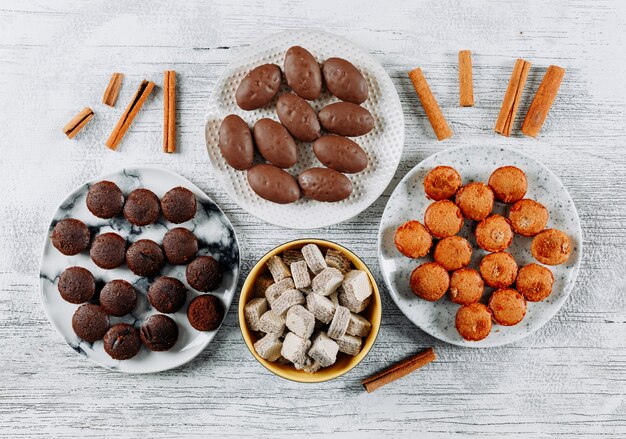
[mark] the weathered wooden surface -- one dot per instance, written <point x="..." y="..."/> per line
<point x="568" y="379"/>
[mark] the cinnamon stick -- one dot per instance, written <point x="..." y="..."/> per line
<point x="433" y="112"/>
<point x="466" y="85"/>
<point x="113" y="90"/>
<point x="169" y="111"/>
<point x="399" y="370"/>
<point x="78" y="122"/>
<point x="540" y="106"/>
<point x="512" y="97"/>
<point x="129" y="114"/>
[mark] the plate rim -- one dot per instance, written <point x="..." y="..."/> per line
<point x="568" y="290"/>
<point x="249" y="50"/>
<point x="43" y="251"/>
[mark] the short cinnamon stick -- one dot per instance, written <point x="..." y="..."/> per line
<point x="512" y="97"/>
<point x="399" y="370"/>
<point x="466" y="83"/>
<point x="129" y="114"/>
<point x="78" y="122"/>
<point x="433" y="112"/>
<point x="169" y="111"/>
<point x="540" y="106"/>
<point x="113" y="90"/>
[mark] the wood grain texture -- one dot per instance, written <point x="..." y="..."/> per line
<point x="568" y="379"/>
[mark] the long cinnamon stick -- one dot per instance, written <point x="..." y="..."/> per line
<point x="399" y="370"/>
<point x="129" y="114"/>
<point x="78" y="122"/>
<point x="169" y="111"/>
<point x="466" y="85"/>
<point x="113" y="90"/>
<point x="512" y="97"/>
<point x="433" y="112"/>
<point x="540" y="106"/>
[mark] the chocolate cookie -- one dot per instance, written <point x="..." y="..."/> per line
<point x="180" y="246"/>
<point x="122" y="342"/>
<point x="167" y="294"/>
<point x="77" y="285"/>
<point x="204" y="273"/>
<point x="145" y="258"/>
<point x="178" y="205"/>
<point x="108" y="250"/>
<point x="90" y="322"/>
<point x="118" y="298"/>
<point x="159" y="333"/>
<point x="70" y="236"/>
<point x="205" y="312"/>
<point x="105" y="199"/>
<point x="142" y="207"/>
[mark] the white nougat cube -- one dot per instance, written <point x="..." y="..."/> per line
<point x="324" y="350"/>
<point x="339" y="323"/>
<point x="300" y="321"/>
<point x="322" y="307"/>
<point x="358" y="326"/>
<point x="288" y="299"/>
<point x="253" y="310"/>
<point x="349" y="344"/>
<point x="278" y="268"/>
<point x="327" y="281"/>
<point x="274" y="291"/>
<point x="314" y="258"/>
<point x="295" y="348"/>
<point x="272" y="323"/>
<point x="269" y="347"/>
<point x="357" y="285"/>
<point x="300" y="274"/>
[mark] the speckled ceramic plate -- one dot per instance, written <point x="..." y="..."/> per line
<point x="476" y="163"/>
<point x="383" y="144"/>
<point x="216" y="237"/>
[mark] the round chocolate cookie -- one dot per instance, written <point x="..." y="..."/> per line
<point x="118" y="298"/>
<point x="108" y="250"/>
<point x="205" y="312"/>
<point x="122" y="342"/>
<point x="70" y="236"/>
<point x="90" y="322"/>
<point x="180" y="246"/>
<point x="141" y="207"/>
<point x="204" y="273"/>
<point x="159" y="333"/>
<point x="178" y="205"/>
<point x="167" y="294"/>
<point x="145" y="258"/>
<point x="77" y="285"/>
<point x="105" y="199"/>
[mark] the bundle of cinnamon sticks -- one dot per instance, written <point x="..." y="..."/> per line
<point x="535" y="116"/>
<point x="126" y="119"/>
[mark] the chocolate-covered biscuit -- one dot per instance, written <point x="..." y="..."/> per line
<point x="324" y="184"/>
<point x="298" y="117"/>
<point x="273" y="184"/>
<point x="258" y="87"/>
<point x="235" y="142"/>
<point x="275" y="143"/>
<point x="346" y="119"/>
<point x="340" y="154"/>
<point x="303" y="73"/>
<point x="345" y="81"/>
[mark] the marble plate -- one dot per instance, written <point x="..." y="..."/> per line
<point x="383" y="144"/>
<point x="216" y="237"/>
<point x="475" y="163"/>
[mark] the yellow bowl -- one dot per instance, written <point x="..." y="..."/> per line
<point x="345" y="362"/>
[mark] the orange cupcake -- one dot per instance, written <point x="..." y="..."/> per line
<point x="443" y="218"/>
<point x="507" y="306"/>
<point x="508" y="184"/>
<point x="528" y="217"/>
<point x="413" y="240"/>
<point x="551" y="247"/>
<point x="442" y="183"/>
<point x="475" y="201"/>
<point x="494" y="234"/>
<point x="466" y="286"/>
<point x="534" y="282"/>
<point x="473" y="321"/>
<point x="430" y="281"/>
<point x="453" y="252"/>
<point x="498" y="270"/>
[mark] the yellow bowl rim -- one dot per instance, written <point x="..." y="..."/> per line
<point x="296" y="375"/>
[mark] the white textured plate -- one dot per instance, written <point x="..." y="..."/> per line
<point x="383" y="144"/>
<point x="216" y="237"/>
<point x="476" y="163"/>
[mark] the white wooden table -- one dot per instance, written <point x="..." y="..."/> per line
<point x="568" y="379"/>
